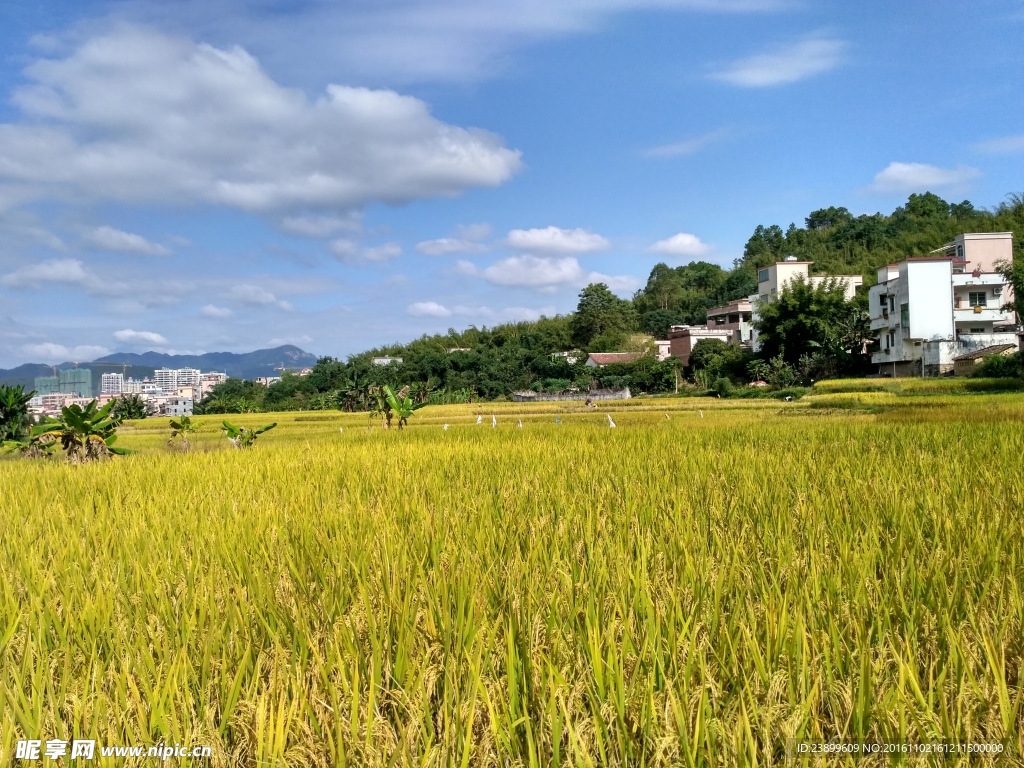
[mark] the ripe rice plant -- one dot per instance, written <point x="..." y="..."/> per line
<point x="687" y="591"/>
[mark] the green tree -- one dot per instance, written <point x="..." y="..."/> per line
<point x="15" y="422"/>
<point x="808" y="319"/>
<point x="130" y="407"/>
<point x="601" y="316"/>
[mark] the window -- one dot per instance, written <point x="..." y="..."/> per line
<point x="720" y="320"/>
<point x="892" y="303"/>
<point x="883" y="300"/>
<point x="978" y="299"/>
<point x="976" y="330"/>
<point x="904" y="315"/>
<point x="762" y="275"/>
<point x="960" y="253"/>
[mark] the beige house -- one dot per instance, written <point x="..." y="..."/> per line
<point x="966" y="364"/>
<point x="735" y="317"/>
<point x="683" y="338"/>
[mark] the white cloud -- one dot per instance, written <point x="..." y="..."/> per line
<point x="1004" y="145"/>
<point x="473" y="231"/>
<point x="685" y="147"/>
<point x="215" y="312"/>
<point x="543" y="273"/>
<point x="136" y="116"/>
<point x="556" y="240"/>
<point x="350" y="251"/>
<point x="428" y="309"/>
<point x="682" y="244"/>
<point x="382" y="253"/>
<point x="408" y="40"/>
<point x="444" y="246"/>
<point x="295" y="341"/>
<point x="321" y="226"/>
<point x="58" y="353"/>
<point x="900" y="178"/>
<point x="253" y="295"/>
<point x="137" y="338"/>
<point x="65" y="271"/>
<point x="788" y="65"/>
<point x="110" y="239"/>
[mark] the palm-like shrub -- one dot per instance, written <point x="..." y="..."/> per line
<point x="85" y="434"/>
<point x="241" y="437"/>
<point x="183" y="428"/>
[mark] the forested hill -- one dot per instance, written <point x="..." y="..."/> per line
<point x="834" y="239"/>
<point x="494" y="362"/>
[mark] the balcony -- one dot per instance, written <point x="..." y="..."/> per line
<point x="980" y="314"/>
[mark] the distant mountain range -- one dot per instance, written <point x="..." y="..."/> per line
<point x="249" y="365"/>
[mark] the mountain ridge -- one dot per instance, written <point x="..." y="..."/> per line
<point x="245" y="365"/>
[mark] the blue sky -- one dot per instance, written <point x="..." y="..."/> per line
<point x="230" y="175"/>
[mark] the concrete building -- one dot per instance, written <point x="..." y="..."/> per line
<point x="927" y="311"/>
<point x="386" y="360"/>
<point x="664" y="349"/>
<point x="209" y="380"/>
<point x="46" y="385"/>
<point x="175" y="406"/>
<point x="77" y="380"/>
<point x="683" y="338"/>
<point x="773" y="278"/>
<point x="266" y="381"/>
<point x="169" y="379"/>
<point x="601" y="359"/>
<point x="111" y="383"/>
<point x="735" y="317"/>
<point x="571" y="357"/>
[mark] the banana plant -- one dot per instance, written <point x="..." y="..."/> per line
<point x="14" y="417"/>
<point x="183" y="428"/>
<point x="400" y="404"/>
<point x="85" y="434"/>
<point x="241" y="437"/>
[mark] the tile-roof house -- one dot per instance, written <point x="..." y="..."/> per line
<point x="601" y="359"/>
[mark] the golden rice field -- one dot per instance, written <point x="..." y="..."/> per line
<point x="694" y="587"/>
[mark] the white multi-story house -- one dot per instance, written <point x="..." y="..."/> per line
<point x="925" y="311"/>
<point x="207" y="381"/>
<point x="111" y="383"/>
<point x="773" y="278"/>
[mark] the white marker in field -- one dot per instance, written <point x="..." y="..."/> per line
<point x="702" y="414"/>
<point x="341" y="429"/>
<point x="666" y="417"/>
<point x="445" y="427"/>
<point x="520" y="424"/>
<point x="610" y="422"/>
<point x="479" y="419"/>
<point x="494" y="421"/>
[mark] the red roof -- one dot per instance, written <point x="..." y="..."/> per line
<point x="607" y="358"/>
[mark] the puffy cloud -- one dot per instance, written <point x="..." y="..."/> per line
<point x="445" y="246"/>
<point x="137" y="116"/>
<point x="682" y="244"/>
<point x="58" y="353"/>
<point x="901" y="178"/>
<point x="321" y="226"/>
<point x="110" y="239"/>
<point x="1004" y="145"/>
<point x="66" y="271"/>
<point x="215" y="312"/>
<point x="543" y="273"/>
<point x="556" y="240"/>
<point x="128" y="336"/>
<point x="350" y="251"/>
<point x="428" y="309"/>
<point x="253" y="295"/>
<point x="788" y="65"/>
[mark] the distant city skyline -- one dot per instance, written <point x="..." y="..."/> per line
<point x="228" y="175"/>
